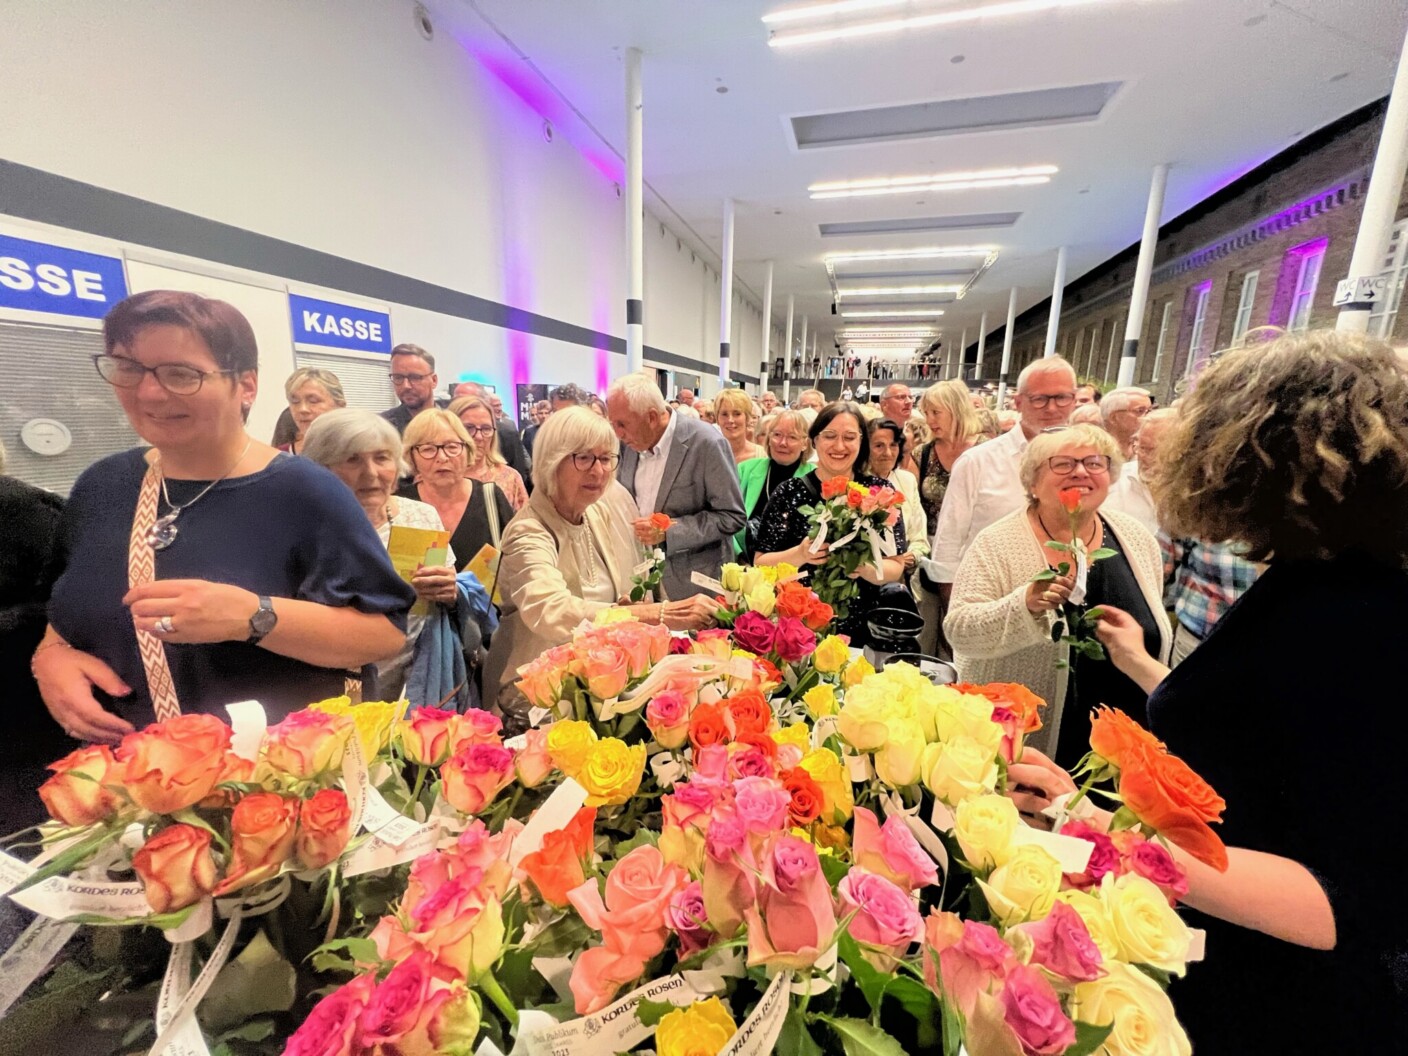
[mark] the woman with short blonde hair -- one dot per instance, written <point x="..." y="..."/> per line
<point x="488" y="465"/>
<point x="310" y="391"/>
<point x="733" y="409"/>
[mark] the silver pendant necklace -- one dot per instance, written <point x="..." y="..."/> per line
<point x="164" y="532"/>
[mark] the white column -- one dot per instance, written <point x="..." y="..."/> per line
<point x="955" y="364"/>
<point x="1381" y="203"/>
<point x="1058" y="287"/>
<point x="766" y="370"/>
<point x="1007" y="348"/>
<point x="1143" y="271"/>
<point x="982" y="344"/>
<point x="806" y="360"/>
<point x="635" y="216"/>
<point x="787" y="347"/>
<point x="726" y="294"/>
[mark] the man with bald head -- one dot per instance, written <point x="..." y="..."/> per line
<point x="768" y="401"/>
<point x="897" y="402"/>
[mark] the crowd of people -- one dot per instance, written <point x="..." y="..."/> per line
<point x="1267" y="508"/>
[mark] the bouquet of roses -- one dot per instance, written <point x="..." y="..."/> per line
<point x="857" y="524"/>
<point x="770" y="590"/>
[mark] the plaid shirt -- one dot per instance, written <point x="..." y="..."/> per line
<point x="1201" y="581"/>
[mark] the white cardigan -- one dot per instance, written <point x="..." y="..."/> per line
<point x="994" y="636"/>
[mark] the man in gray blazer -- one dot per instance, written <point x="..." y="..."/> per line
<point x="678" y="466"/>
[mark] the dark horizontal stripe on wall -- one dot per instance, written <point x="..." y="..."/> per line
<point x="674" y="359"/>
<point x="47" y="198"/>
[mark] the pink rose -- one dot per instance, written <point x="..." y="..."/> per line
<point x="761" y="804"/>
<point x="688" y="919"/>
<point x="598" y="975"/>
<point x="1033" y="1011"/>
<point x="427" y="735"/>
<point x="667" y="715"/>
<point x="716" y="642"/>
<point x="891" y="851"/>
<point x="477" y="726"/>
<point x="688" y="804"/>
<point x="477" y="849"/>
<point x="533" y="763"/>
<point x="1153" y="862"/>
<point x="605" y="668"/>
<point x="1104" y="859"/>
<point x="794" y="919"/>
<point x="795" y="641"/>
<point x="1011" y="730"/>
<point x="396" y="1004"/>
<point x="751" y="762"/>
<point x="331" y="1028"/>
<point x="645" y="644"/>
<point x="1062" y="945"/>
<point x="884" y="916"/>
<point x="475" y="775"/>
<point x="681" y="645"/>
<point x="461" y="927"/>
<point x="754" y="632"/>
<point x="973" y="958"/>
<point x="728" y="881"/>
<point x="711" y="763"/>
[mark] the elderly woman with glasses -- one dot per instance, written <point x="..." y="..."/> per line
<point x="1002" y="620"/>
<point x="569" y="554"/>
<point x="439" y="452"/>
<point x="206" y="568"/>
<point x="310" y="391"/>
<point x="488" y="465"/>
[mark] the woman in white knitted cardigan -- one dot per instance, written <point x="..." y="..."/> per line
<point x="1002" y="623"/>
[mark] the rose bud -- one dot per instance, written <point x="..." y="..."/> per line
<point x="263" y="829"/>
<point x="427" y="734"/>
<point x="324" y="827"/>
<point x="176" y="868"/>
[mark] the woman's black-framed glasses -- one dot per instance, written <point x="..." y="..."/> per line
<point x="451" y="448"/>
<point x="175" y="378"/>
<point x="1093" y="464"/>
<point x="584" y="462"/>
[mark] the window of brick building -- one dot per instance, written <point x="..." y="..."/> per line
<point x="1090" y="359"/>
<point x="1395" y="268"/>
<point x="1165" y="324"/>
<point x="1113" y="350"/>
<point x="1312" y="256"/>
<point x="1201" y="293"/>
<point x="1243" y="321"/>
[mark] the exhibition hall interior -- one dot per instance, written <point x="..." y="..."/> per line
<point x="702" y="526"/>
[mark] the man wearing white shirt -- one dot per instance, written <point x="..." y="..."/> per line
<point x="985" y="486"/>
<point x="1130" y="494"/>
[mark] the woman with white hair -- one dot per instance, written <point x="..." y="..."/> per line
<point x="569" y="554"/>
<point x="363" y="449"/>
<point x="1002" y="620"/>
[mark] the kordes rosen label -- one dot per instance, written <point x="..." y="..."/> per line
<point x="318" y="322"/>
<point x="38" y="277"/>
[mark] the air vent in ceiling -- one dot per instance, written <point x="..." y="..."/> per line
<point x="948" y="117"/>
<point x="919" y="223"/>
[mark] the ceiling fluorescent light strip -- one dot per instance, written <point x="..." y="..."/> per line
<point x="929" y="21"/>
<point x="947" y="185"/>
<point x="926" y="313"/>
<point x="840" y="7"/>
<point x="928" y="253"/>
<point x="912" y="182"/>
<point x="893" y="291"/>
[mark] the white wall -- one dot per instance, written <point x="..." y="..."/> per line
<point x="332" y="125"/>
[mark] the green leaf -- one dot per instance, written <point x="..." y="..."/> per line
<point x="326" y="957"/>
<point x="1163" y="978"/>
<point x="1100" y="555"/>
<point x="254" y="1030"/>
<point x="916" y="998"/>
<point x="1088" y="1038"/>
<point x="1064" y="568"/>
<point x="859" y="1038"/>
<point x="870" y="979"/>
<point x="1044" y="577"/>
<point x="795" y="1039"/>
<point x="833" y="868"/>
<point x="650" y="1013"/>
<point x="258" y="980"/>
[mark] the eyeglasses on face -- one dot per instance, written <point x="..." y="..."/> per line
<point x="451" y="449"/>
<point x="402" y="379"/>
<point x="1094" y="464"/>
<point x="585" y="461"/>
<point x="1060" y="399"/>
<point x="1138" y="412"/>
<point x="480" y="430"/>
<point x="176" y="378"/>
<point x="845" y="438"/>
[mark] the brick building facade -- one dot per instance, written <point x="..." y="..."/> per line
<point x="1265" y="251"/>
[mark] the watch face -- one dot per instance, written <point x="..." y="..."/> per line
<point x="262" y="622"/>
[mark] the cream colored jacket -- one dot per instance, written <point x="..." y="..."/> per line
<point x="996" y="639"/>
<point x="540" y="580"/>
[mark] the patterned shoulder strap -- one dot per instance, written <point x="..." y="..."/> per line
<point x="141" y="568"/>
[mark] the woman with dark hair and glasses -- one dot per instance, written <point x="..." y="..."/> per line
<point x="439" y="451"/>
<point x="569" y="554"/>
<point x="1002" y="622"/>
<point x="207" y="568"/>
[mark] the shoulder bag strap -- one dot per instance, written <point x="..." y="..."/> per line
<point x="141" y="568"/>
<point x="491" y="510"/>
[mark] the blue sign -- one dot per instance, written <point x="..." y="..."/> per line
<point x="43" y="278"/>
<point x="339" y="325"/>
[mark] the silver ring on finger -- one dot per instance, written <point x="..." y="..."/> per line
<point x="164" y="626"/>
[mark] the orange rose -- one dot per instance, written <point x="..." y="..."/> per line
<point x="748" y="712"/>
<point x="1014" y="696"/>
<point x="1163" y="792"/>
<point x="807" y="797"/>
<point x="794" y="600"/>
<point x="234" y="768"/>
<point x="819" y="614"/>
<point x="263" y="831"/>
<point x="854" y="499"/>
<point x="176" y="867"/>
<point x="707" y="726"/>
<point x="174" y="764"/>
<point x="76" y="795"/>
<point x="833" y="487"/>
<point x="427" y="735"/>
<point x="308" y="744"/>
<point x="1070" y="499"/>
<point x="1114" y="735"/>
<point x="324" y="827"/>
<point x="661" y="522"/>
<point x="560" y="865"/>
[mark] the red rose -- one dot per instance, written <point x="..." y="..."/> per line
<point x="794" y="641"/>
<point x="754" y="632"/>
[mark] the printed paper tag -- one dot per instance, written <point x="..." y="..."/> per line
<point x="699" y="579"/>
<point x="355" y="780"/>
<point x="555" y="813"/>
<point x="615" y="1028"/>
<point x="385" y="821"/>
<point x="758" y="1033"/>
<point x="26" y="960"/>
<point x="249" y="722"/>
<point x="643" y="569"/>
<point x="376" y="853"/>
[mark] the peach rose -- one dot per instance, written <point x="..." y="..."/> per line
<point x="605" y="668"/>
<point x="235" y="768"/>
<point x="324" y="827"/>
<point x="477" y="726"/>
<point x="263" y="832"/>
<point x="76" y="794"/>
<point x="475" y="775"/>
<point x="462" y="927"/>
<point x="426" y="735"/>
<point x="667" y="716"/>
<point x="174" y="764"/>
<point x="533" y="762"/>
<point x="176" y="868"/>
<point x="307" y="745"/>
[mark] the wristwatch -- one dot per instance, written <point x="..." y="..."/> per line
<point x="262" y="622"/>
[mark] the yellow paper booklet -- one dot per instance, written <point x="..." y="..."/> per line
<point x="411" y="547"/>
<point x="485" y="566"/>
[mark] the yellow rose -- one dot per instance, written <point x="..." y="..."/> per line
<point x="753" y="578"/>
<point x="611" y="772"/>
<point x="831" y="655"/>
<point x="963" y="715"/>
<point x="1146" y="926"/>
<point x="1025" y="888"/>
<point x="782" y="572"/>
<point x="898" y="761"/>
<point x="762" y="600"/>
<point x="820" y="701"/>
<point x="983" y="827"/>
<point x="799" y="734"/>
<point x="1097" y="921"/>
<point x="826" y="770"/>
<point x="683" y="846"/>
<point x="1142" y="1015"/>
<point x="959" y="770"/>
<point x="731" y="576"/>
<point x="568" y="744"/>
<point x="612" y="614"/>
<point x="857" y="670"/>
<point x="702" y="1029"/>
<point x="864" y="718"/>
<point x="374" y="721"/>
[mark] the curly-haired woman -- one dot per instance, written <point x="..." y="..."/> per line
<point x="1298" y="451"/>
